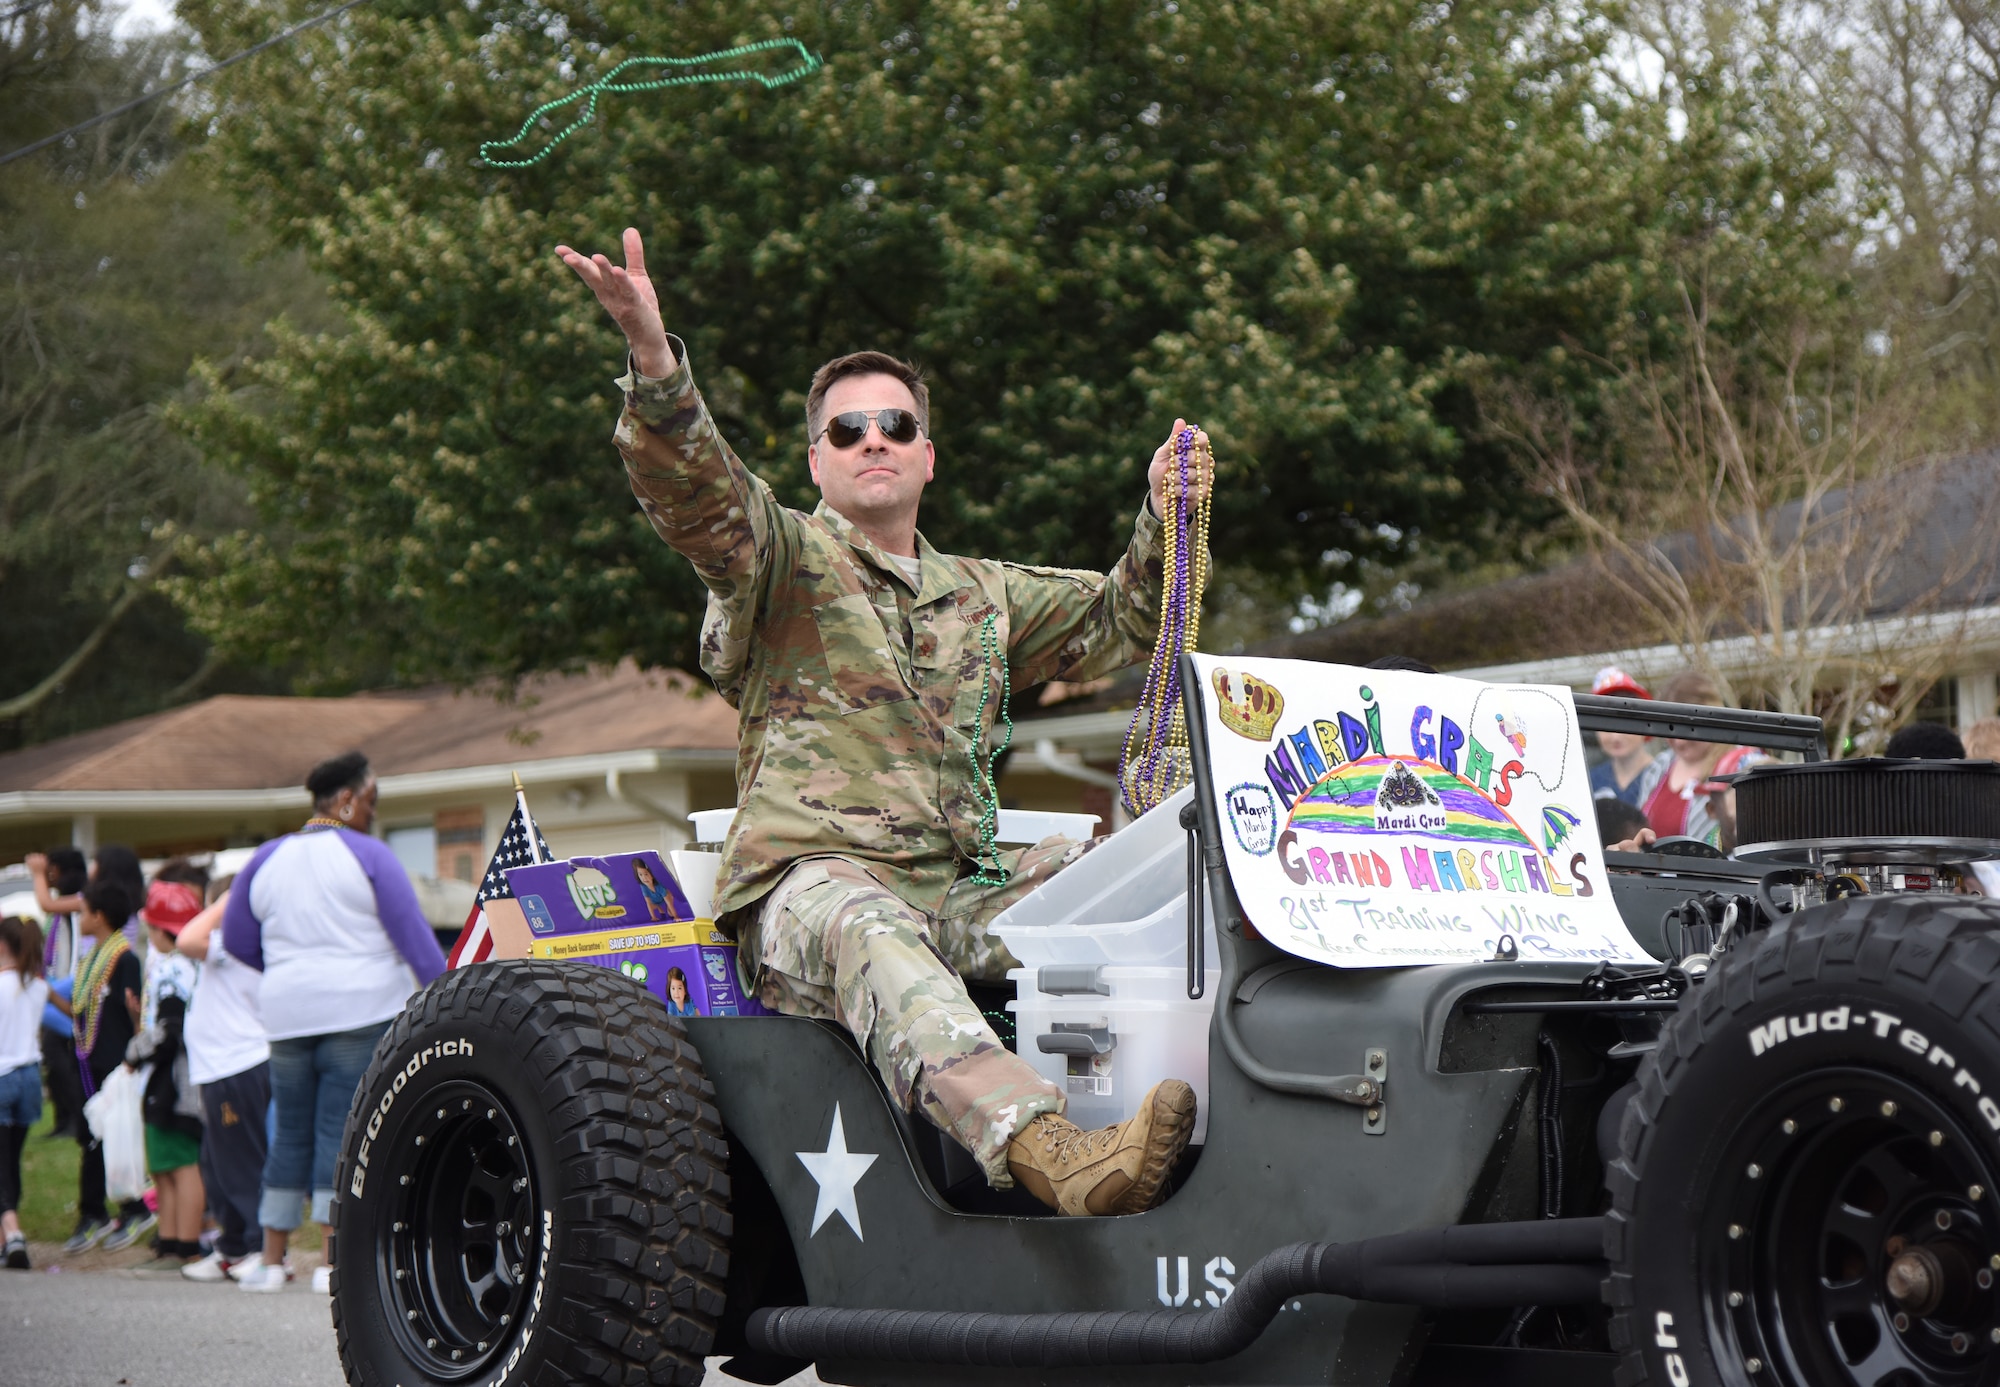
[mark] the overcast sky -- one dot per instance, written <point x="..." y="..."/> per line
<point x="145" y="14"/>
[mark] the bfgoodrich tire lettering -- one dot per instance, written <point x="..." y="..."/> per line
<point x="531" y="1189"/>
<point x="1807" y="1183"/>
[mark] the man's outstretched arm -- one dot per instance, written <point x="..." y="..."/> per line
<point x="695" y="491"/>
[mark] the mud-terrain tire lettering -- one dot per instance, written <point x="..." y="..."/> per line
<point x="628" y="1164"/>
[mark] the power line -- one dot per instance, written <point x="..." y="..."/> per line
<point x="26" y="7"/>
<point x="187" y="81"/>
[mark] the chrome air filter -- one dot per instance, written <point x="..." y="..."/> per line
<point x="1872" y="811"/>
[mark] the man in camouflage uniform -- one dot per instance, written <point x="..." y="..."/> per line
<point x="867" y="671"/>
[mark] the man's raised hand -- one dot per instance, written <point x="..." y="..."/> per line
<point x="1164" y="465"/>
<point x="627" y="295"/>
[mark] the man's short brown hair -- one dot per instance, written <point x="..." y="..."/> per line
<point x="863" y="364"/>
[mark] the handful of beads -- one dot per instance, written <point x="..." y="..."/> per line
<point x="1154" y="763"/>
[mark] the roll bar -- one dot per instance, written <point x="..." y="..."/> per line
<point x="1694" y="722"/>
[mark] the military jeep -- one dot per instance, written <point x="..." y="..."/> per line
<point x="1772" y="1158"/>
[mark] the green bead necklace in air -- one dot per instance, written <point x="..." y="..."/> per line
<point x="808" y="63"/>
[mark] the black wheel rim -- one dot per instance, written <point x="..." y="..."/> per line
<point x="464" y="1249"/>
<point x="1853" y="1241"/>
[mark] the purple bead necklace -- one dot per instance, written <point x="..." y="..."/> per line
<point x="1154" y="763"/>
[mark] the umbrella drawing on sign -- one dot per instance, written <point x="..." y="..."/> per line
<point x="1557" y="823"/>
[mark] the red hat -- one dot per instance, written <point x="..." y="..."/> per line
<point x="1613" y="680"/>
<point x="169" y="906"/>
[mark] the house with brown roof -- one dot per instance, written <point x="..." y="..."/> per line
<point x="612" y="761"/>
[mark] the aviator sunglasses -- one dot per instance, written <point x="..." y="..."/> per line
<point x="847" y="429"/>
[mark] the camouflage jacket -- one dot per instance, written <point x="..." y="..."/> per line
<point x="860" y="700"/>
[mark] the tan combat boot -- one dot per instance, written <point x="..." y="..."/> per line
<point x="1113" y="1170"/>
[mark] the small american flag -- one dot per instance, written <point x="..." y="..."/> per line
<point x="521" y="844"/>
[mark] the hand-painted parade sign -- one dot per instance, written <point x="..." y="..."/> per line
<point x="1380" y="817"/>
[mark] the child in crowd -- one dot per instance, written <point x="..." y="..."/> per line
<point x="230" y="1060"/>
<point x="176" y="870"/>
<point x="23" y="994"/>
<point x="1617" y="821"/>
<point x="104" y="1006"/>
<point x="60" y="876"/>
<point x="172" y="1105"/>
<point x="113" y="862"/>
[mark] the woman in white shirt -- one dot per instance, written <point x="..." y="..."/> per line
<point x="328" y="916"/>
<point x="23" y="993"/>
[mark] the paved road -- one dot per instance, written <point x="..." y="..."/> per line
<point x="104" y="1329"/>
<point x="100" y="1329"/>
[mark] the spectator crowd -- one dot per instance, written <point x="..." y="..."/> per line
<point x="244" y="1012"/>
<point x="1645" y="793"/>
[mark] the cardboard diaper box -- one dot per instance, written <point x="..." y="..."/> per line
<point x="628" y="911"/>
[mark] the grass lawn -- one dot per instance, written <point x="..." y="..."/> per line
<point x="48" y="1189"/>
<point x="48" y="1183"/>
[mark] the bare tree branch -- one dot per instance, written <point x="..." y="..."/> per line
<point x="24" y="703"/>
<point x="1770" y="501"/>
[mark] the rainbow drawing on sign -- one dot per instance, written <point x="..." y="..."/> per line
<point x="1395" y="794"/>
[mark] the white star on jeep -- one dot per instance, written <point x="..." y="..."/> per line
<point x="838" y="1170"/>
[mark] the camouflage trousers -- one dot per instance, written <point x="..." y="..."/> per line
<point x="832" y="941"/>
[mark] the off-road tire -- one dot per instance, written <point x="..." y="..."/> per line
<point x="536" y="1141"/>
<point x="1826" y="1104"/>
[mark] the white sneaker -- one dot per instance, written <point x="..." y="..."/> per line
<point x="265" y="1278"/>
<point x="213" y="1267"/>
<point x="323" y="1280"/>
<point x="243" y="1266"/>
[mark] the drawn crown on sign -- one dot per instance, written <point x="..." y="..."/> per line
<point x="1248" y="706"/>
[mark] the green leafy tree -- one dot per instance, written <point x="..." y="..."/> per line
<point x="1312" y="227"/>
<point x="121" y="265"/>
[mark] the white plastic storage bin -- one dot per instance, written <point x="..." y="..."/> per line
<point x="1105" y="1053"/>
<point x="1030" y="826"/>
<point x="1116" y="982"/>
<point x="711" y="825"/>
<point x="697" y="873"/>
<point x="1158" y="939"/>
<point x="1127" y="877"/>
<point x="1124" y="903"/>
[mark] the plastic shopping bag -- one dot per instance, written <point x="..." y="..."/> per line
<point x="115" y="1120"/>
